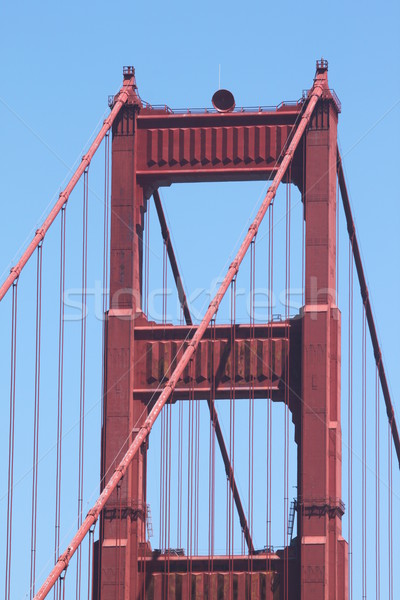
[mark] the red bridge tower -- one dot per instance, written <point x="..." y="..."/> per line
<point x="156" y="147"/>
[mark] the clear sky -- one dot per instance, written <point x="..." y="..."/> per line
<point x="59" y="62"/>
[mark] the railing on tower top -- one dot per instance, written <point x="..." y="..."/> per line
<point x="290" y="104"/>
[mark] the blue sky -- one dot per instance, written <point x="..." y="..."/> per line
<point x="60" y="61"/>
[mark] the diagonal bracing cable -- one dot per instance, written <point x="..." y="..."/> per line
<point x="93" y="514"/>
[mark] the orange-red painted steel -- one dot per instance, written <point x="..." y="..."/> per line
<point x="313" y="97"/>
<point x="322" y="548"/>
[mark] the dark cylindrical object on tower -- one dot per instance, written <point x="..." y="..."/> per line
<point x="223" y="101"/>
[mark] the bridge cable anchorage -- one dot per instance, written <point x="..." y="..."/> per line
<point x="198" y="335"/>
<point x="64" y="196"/>
<point x="367" y="305"/>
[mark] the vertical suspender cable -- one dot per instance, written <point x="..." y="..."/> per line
<point x="82" y="376"/>
<point x="165" y="455"/>
<point x="90" y="560"/>
<point x="146" y="536"/>
<point x="148" y="257"/>
<point x="251" y="393"/>
<point x="147" y="262"/>
<point x="269" y="403"/>
<point x="350" y="419"/>
<point x="251" y="399"/>
<point x="377" y="490"/>
<point x="285" y="440"/>
<point x="180" y="473"/>
<point x="165" y="276"/>
<point x="192" y="465"/>
<point x="211" y="506"/>
<point x="118" y="541"/>
<point x="117" y="537"/>
<point x="213" y="451"/>
<point x="198" y="476"/>
<point x="35" y="452"/>
<point x="165" y="523"/>
<point x="390" y="511"/>
<point x="231" y="529"/>
<point x="189" y="532"/>
<point x="106" y="218"/>
<point x="303" y="195"/>
<point x="161" y="530"/>
<point x="106" y="226"/>
<point x="227" y="519"/>
<point x="210" y="448"/>
<point x="337" y="240"/>
<point x="364" y="457"/>
<point x="196" y="471"/>
<point x="165" y="499"/>
<point x="105" y="305"/>
<point x="60" y="388"/>
<point x="190" y="479"/>
<point x="169" y="409"/>
<point x="287" y="385"/>
<point x="10" y="482"/>
<point x="62" y="586"/>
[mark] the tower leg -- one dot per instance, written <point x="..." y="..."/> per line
<point x="323" y="552"/>
<point x="122" y="537"/>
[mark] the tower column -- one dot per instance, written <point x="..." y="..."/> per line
<point x="323" y="552"/>
<point x="122" y="536"/>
